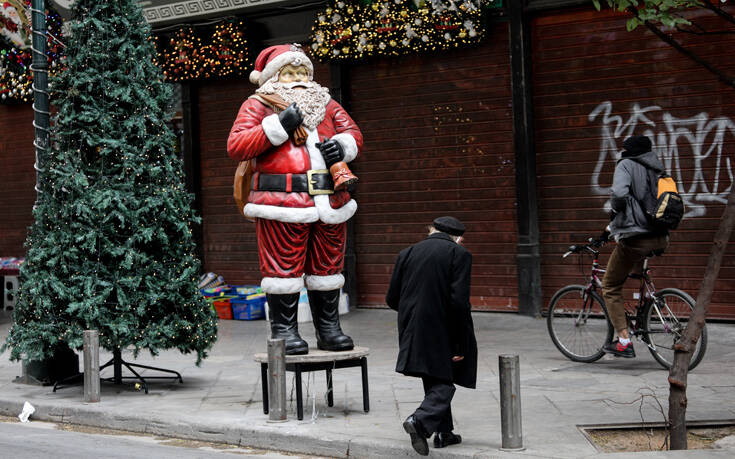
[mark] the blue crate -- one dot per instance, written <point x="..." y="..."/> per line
<point x="248" y="309"/>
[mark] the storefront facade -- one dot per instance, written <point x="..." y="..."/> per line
<point x="516" y="137"/>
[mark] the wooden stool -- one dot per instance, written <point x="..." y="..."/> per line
<point x="317" y="360"/>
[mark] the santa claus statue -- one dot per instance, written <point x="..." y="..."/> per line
<point x="300" y="220"/>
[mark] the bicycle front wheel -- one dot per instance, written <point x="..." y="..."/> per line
<point x="578" y="323"/>
<point x="666" y="319"/>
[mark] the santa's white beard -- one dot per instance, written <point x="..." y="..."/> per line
<point x="311" y="98"/>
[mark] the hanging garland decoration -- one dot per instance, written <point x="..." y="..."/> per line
<point x="15" y="49"/>
<point x="207" y="52"/>
<point x="211" y="52"/>
<point x="357" y="29"/>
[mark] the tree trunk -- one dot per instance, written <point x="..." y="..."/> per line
<point x="683" y="349"/>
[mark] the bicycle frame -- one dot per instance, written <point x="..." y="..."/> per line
<point x="647" y="293"/>
<point x="593" y="284"/>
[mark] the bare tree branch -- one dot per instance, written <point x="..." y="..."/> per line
<point x="640" y="401"/>
<point x="718" y="11"/>
<point x="727" y="79"/>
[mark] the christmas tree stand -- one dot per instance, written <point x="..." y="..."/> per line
<point x="117" y="378"/>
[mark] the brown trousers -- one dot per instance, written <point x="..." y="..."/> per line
<point x="627" y="256"/>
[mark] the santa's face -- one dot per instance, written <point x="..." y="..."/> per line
<point x="293" y="74"/>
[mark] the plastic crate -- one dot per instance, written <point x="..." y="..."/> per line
<point x="244" y="290"/>
<point x="215" y="291"/>
<point x="248" y="308"/>
<point x="223" y="308"/>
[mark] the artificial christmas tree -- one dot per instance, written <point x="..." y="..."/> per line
<point x="111" y="246"/>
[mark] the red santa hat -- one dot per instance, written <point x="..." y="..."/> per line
<point x="271" y="60"/>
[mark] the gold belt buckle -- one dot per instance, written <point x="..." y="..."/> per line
<point x="311" y="182"/>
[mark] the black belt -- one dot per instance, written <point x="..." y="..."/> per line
<point x="314" y="182"/>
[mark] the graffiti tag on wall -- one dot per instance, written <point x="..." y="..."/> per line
<point x="692" y="150"/>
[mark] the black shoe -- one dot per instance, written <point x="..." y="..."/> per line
<point x="283" y="310"/>
<point x="442" y="439"/>
<point x="617" y="349"/>
<point x="418" y="435"/>
<point x="325" y="313"/>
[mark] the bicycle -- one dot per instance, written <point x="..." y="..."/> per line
<point x="579" y="324"/>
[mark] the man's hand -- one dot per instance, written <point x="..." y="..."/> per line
<point x="457" y="358"/>
<point x="331" y="150"/>
<point x="290" y="118"/>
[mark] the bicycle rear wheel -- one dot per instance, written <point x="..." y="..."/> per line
<point x="664" y="330"/>
<point x="578" y="323"/>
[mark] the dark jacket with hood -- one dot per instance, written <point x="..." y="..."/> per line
<point x="430" y="289"/>
<point x="631" y="184"/>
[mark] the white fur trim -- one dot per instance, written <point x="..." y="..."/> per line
<point x="254" y="76"/>
<point x="349" y="145"/>
<point x="282" y="214"/>
<point x="281" y="285"/>
<point x="273" y="130"/>
<point x="332" y="216"/>
<point x="327" y="214"/>
<point x="315" y="156"/>
<point x="277" y="63"/>
<point x="324" y="283"/>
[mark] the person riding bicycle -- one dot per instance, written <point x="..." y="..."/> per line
<point x="635" y="236"/>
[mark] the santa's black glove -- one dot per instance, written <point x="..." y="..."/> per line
<point x="332" y="151"/>
<point x="290" y="118"/>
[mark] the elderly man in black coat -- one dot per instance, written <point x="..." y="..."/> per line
<point x="430" y="289"/>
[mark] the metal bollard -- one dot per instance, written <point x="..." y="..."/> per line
<point x="277" y="380"/>
<point x="510" y="403"/>
<point x="91" y="366"/>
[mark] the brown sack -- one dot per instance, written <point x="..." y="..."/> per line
<point x="241" y="187"/>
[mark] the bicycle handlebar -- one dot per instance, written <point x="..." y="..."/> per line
<point x="589" y="247"/>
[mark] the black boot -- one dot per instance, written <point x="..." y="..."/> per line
<point x="283" y="311"/>
<point x="325" y="313"/>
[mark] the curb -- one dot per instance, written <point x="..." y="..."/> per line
<point x="283" y="437"/>
<point x="286" y="437"/>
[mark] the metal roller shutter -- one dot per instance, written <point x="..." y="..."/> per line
<point x="17" y="177"/>
<point x="596" y="84"/>
<point x="438" y="141"/>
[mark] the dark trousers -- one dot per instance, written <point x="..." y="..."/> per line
<point x="435" y="412"/>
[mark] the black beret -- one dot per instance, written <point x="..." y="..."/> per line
<point x="637" y="144"/>
<point x="449" y="225"/>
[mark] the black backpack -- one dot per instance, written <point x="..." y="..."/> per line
<point x="663" y="204"/>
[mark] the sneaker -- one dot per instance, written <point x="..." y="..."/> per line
<point x="617" y="349"/>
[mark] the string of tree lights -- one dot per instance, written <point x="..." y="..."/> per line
<point x="111" y="245"/>
<point x="15" y="49"/>
<point x="357" y="29"/>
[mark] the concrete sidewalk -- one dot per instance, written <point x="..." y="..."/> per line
<point x="221" y="400"/>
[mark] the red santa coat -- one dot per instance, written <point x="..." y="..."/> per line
<point x="257" y="133"/>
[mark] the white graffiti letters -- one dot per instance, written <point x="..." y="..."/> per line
<point x="692" y="150"/>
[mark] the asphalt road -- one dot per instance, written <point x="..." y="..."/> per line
<point x="41" y="440"/>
